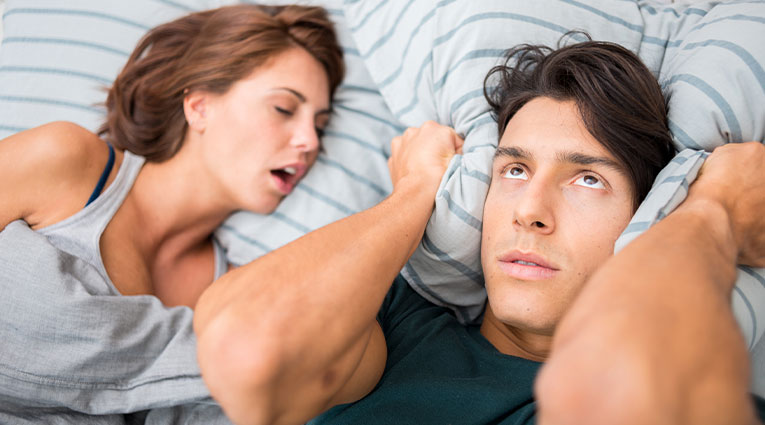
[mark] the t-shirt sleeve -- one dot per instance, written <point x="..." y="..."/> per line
<point x="400" y="302"/>
<point x="759" y="407"/>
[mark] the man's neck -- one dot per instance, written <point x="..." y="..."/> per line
<point x="513" y="341"/>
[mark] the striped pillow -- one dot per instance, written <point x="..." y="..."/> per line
<point x="430" y="58"/>
<point x="57" y="57"/>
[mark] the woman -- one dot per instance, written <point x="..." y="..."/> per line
<point x="217" y="111"/>
<point x="226" y="106"/>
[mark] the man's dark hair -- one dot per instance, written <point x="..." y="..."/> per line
<point x="619" y="100"/>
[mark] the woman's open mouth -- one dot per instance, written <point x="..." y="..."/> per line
<point x="286" y="178"/>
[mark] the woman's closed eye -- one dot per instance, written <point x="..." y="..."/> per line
<point x="283" y="111"/>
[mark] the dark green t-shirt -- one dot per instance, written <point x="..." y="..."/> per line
<point x="439" y="372"/>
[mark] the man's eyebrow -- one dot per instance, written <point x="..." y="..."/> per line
<point x="584" y="159"/>
<point x="512" y="151"/>
<point x="570" y="157"/>
<point x="302" y="99"/>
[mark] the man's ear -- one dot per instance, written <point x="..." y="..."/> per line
<point x="195" y="106"/>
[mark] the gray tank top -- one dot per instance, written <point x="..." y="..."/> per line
<point x="80" y="234"/>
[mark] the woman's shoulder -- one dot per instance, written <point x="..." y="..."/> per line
<point x="48" y="172"/>
<point x="57" y="141"/>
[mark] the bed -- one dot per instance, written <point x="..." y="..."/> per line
<point x="56" y="58"/>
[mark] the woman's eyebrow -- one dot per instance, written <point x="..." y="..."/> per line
<point x="296" y="93"/>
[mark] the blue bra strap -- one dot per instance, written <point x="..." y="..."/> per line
<point x="104" y="176"/>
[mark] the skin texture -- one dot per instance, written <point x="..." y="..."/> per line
<point x="557" y="197"/>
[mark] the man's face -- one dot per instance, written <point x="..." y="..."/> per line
<point x="558" y="200"/>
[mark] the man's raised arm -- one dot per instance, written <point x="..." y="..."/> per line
<point x="652" y="338"/>
<point x="294" y="332"/>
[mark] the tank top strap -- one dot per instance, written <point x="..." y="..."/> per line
<point x="80" y="234"/>
<point x="114" y="195"/>
<point x="104" y="176"/>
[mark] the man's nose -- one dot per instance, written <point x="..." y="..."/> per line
<point x="533" y="209"/>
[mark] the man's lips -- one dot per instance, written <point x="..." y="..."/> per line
<point x="527" y="266"/>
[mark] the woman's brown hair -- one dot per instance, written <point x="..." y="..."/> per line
<point x="209" y="51"/>
<point x="619" y="100"/>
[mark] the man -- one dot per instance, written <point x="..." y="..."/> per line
<point x="298" y="331"/>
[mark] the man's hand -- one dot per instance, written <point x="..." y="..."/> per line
<point x="423" y="153"/>
<point x="734" y="177"/>
<point x="651" y="338"/>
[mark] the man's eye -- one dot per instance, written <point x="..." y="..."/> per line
<point x="515" y="172"/>
<point x="590" y="181"/>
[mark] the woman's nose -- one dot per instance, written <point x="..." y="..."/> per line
<point x="305" y="138"/>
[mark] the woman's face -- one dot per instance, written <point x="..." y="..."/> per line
<point x="260" y="137"/>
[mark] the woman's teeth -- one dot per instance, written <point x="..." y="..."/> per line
<point x="290" y="170"/>
<point x="525" y="263"/>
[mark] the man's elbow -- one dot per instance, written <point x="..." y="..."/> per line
<point x="240" y="371"/>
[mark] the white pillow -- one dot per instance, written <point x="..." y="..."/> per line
<point x="430" y="59"/>
<point x="57" y="57"/>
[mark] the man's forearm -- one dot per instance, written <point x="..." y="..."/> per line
<point x="661" y="303"/>
<point x="303" y="306"/>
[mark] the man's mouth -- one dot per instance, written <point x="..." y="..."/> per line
<point x="526" y="263"/>
<point x="527" y="266"/>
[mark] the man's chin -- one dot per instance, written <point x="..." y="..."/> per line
<point x="527" y="305"/>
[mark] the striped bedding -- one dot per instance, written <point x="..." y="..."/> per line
<point x="410" y="61"/>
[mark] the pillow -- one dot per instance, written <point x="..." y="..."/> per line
<point x="56" y="58"/>
<point x="430" y="59"/>
<point x="2" y="9"/>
